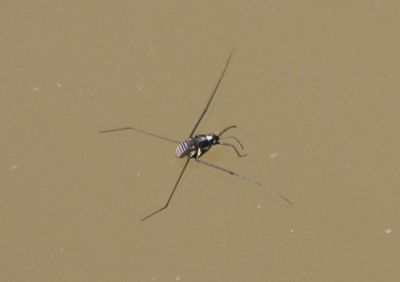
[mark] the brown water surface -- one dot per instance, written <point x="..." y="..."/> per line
<point x="313" y="88"/>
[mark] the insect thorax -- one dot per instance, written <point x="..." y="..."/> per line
<point x="196" y="146"/>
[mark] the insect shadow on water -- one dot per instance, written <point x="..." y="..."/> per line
<point x="196" y="145"/>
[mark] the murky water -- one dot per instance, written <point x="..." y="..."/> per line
<point x="313" y="89"/>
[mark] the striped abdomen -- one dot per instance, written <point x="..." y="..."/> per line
<point x="185" y="148"/>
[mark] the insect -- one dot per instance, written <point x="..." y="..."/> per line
<point x="197" y="145"/>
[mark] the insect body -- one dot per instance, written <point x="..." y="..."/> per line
<point x="196" y="146"/>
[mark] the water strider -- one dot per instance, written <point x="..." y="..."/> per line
<point x="196" y="145"/>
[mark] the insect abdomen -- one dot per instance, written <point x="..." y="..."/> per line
<point x="184" y="148"/>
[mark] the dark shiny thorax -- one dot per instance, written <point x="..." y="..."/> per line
<point x="202" y="143"/>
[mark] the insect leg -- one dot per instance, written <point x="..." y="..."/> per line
<point x="244" y="178"/>
<point x="172" y="192"/>
<point x="141" y="131"/>
<point x="212" y="95"/>
<point x="234" y="148"/>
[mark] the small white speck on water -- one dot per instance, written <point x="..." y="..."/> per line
<point x="59" y="85"/>
<point x="178" y="278"/>
<point x="140" y="87"/>
<point x="292" y="230"/>
<point x="35" y="88"/>
<point x="154" y="278"/>
<point x="138" y="173"/>
<point x="274" y="155"/>
<point x="15" y="166"/>
<point x="299" y="133"/>
<point x="61" y="249"/>
<point x="259" y="206"/>
<point x="388" y="230"/>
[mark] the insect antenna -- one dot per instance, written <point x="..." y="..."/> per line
<point x="226" y="129"/>
<point x="242" y="177"/>
<point x="172" y="192"/>
<point x="234" y="148"/>
<point x="141" y="131"/>
<point x="234" y="138"/>
<point x="212" y="94"/>
<point x="231" y="145"/>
